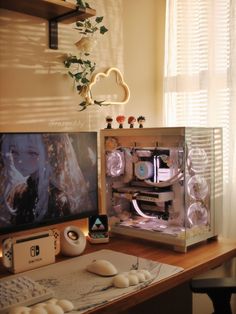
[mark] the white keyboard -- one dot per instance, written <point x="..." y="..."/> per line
<point x="21" y="290"/>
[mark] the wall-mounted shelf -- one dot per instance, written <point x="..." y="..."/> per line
<point x="52" y="10"/>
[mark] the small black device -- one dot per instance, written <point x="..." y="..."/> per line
<point x="98" y="229"/>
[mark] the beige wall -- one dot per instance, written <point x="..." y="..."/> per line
<point x="36" y="95"/>
<point x="144" y="54"/>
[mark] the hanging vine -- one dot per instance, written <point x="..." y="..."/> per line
<point x="80" y="67"/>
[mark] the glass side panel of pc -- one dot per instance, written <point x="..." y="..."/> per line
<point x="163" y="184"/>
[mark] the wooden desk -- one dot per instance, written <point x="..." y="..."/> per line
<point x="196" y="261"/>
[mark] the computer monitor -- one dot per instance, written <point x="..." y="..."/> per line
<point x="47" y="178"/>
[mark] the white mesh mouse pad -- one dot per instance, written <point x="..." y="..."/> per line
<point x="70" y="280"/>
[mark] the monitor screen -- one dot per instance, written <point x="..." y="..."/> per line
<point x="47" y="178"/>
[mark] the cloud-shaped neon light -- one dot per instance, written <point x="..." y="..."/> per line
<point x="119" y="80"/>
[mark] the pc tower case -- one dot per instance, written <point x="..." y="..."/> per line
<point x="163" y="184"/>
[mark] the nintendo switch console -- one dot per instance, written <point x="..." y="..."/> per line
<point x="163" y="184"/>
<point x="23" y="253"/>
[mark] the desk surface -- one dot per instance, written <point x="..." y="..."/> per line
<point x="196" y="261"/>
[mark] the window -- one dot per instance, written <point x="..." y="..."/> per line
<point x="199" y="87"/>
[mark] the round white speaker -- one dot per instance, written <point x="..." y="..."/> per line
<point x="73" y="241"/>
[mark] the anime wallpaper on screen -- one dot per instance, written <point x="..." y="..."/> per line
<point x="46" y="178"/>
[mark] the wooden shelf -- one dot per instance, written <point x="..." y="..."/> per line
<point x="49" y="9"/>
<point x="52" y="10"/>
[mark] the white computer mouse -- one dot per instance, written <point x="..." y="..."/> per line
<point x="102" y="267"/>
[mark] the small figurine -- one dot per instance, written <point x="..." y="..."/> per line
<point x="131" y="121"/>
<point x="120" y="119"/>
<point x="109" y="122"/>
<point x="141" y="120"/>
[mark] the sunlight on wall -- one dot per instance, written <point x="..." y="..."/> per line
<point x="36" y="92"/>
<point x="142" y="52"/>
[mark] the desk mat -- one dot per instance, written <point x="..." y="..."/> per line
<point x="70" y="280"/>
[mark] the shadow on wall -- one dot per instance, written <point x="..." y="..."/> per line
<point x="34" y="86"/>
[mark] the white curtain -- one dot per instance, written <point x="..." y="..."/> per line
<point x="200" y="79"/>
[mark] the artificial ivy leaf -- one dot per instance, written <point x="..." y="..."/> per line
<point x="67" y="63"/>
<point x="83" y="103"/>
<point x="92" y="69"/>
<point x="88" y="24"/>
<point x="78" y="75"/>
<point x="84" y="80"/>
<point x="80" y="3"/>
<point x="83" y="4"/>
<point x="103" y="30"/>
<point x="87" y="62"/>
<point x="99" y="103"/>
<point x="72" y="60"/>
<point x="71" y="74"/>
<point x="99" y="19"/>
<point x="83" y="108"/>
<point x="79" y="24"/>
